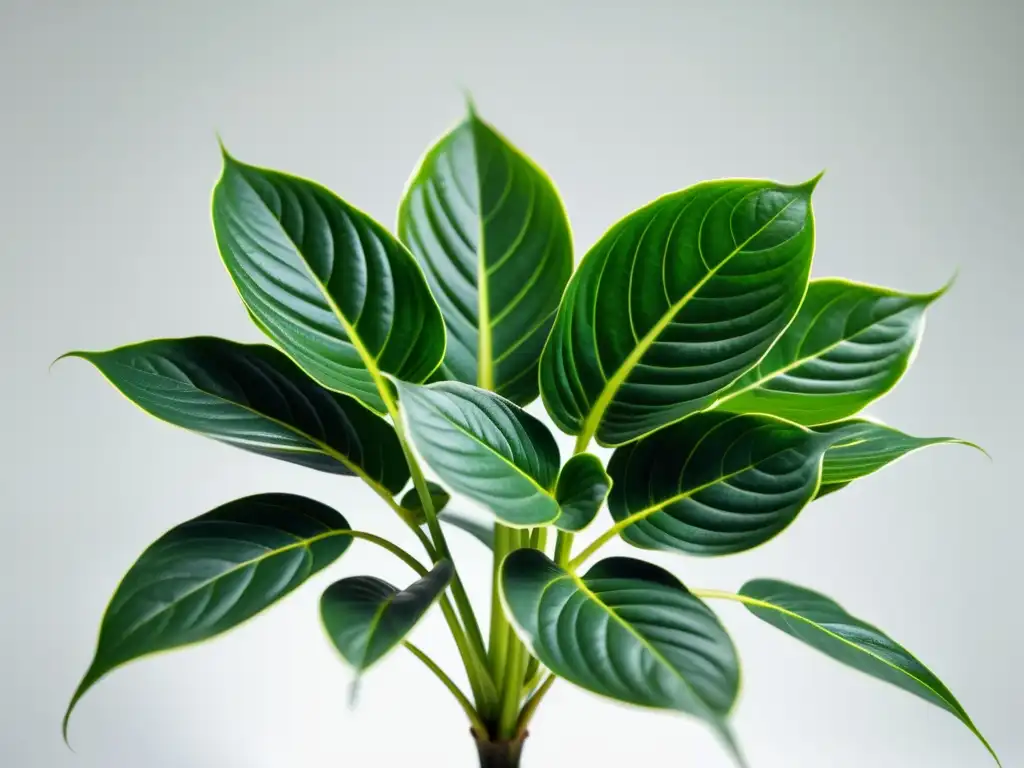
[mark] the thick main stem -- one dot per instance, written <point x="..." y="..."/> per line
<point x="500" y="754"/>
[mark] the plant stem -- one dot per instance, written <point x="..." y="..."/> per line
<point x="499" y="624"/>
<point x="479" y="727"/>
<point x="530" y="708"/>
<point x="394" y="549"/>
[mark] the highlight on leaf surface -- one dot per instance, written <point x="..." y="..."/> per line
<point x="212" y="573"/>
<point x="253" y="397"/>
<point x="492" y="236"/>
<point x="583" y="486"/>
<point x="337" y="292"/>
<point x="675" y="302"/>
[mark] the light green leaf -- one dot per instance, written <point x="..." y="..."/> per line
<point x="627" y="630"/>
<point x="823" y="624"/>
<point x="476" y="207"/>
<point x="673" y="304"/>
<point x="848" y="346"/>
<point x="365" y="617"/>
<point x="715" y="483"/>
<point x="211" y="574"/>
<point x="583" y="486"/>
<point x="485" y="447"/>
<point x="863" y="447"/>
<point x="333" y="288"/>
<point x="255" y="398"/>
<point x="411" y="502"/>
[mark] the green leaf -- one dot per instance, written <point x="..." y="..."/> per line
<point x="864" y="447"/>
<point x="627" y="630"/>
<point x="476" y="207"/>
<point x="823" y="624"/>
<point x="715" y="483"/>
<point x="255" y="398"/>
<point x="333" y="288"/>
<point x="583" y="486"/>
<point x="365" y="617"/>
<point x="673" y="304"/>
<point x="438" y="496"/>
<point x="848" y="346"/>
<point x="211" y="574"/>
<point x="485" y="447"/>
<point x="481" y="530"/>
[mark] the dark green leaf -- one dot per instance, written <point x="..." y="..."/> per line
<point x="822" y="623"/>
<point x="213" y="573"/>
<point x="332" y="287"/>
<point x="863" y="447"/>
<point x="715" y="483"/>
<point x="486" y="448"/>
<point x="848" y="346"/>
<point x="583" y="486"/>
<point x="673" y="304"/>
<point x="476" y="206"/>
<point x="411" y="501"/>
<point x="366" y="617"/>
<point x="255" y="398"/>
<point x="481" y="530"/>
<point x="627" y="630"/>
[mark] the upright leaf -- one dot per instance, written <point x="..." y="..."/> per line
<point x="332" y="287"/>
<point x="490" y="232"/>
<point x="848" y="346"/>
<point x="255" y="398"/>
<point x="627" y="630"/>
<point x="715" y="483"/>
<point x="213" y="573"/>
<point x="673" y="304"/>
<point x="365" y="617"/>
<point x="412" y="502"/>
<point x="822" y="623"/>
<point x="863" y="447"/>
<point x="583" y="486"/>
<point x="485" y="447"/>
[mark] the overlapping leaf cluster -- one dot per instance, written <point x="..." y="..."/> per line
<point x="690" y="340"/>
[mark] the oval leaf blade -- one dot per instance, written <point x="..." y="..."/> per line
<point x="493" y="239"/>
<point x="212" y="573"/>
<point x="848" y="346"/>
<point x="823" y="624"/>
<point x="333" y="288"/>
<point x="485" y="447"/>
<point x="253" y="397"/>
<point x="627" y="630"/>
<point x="673" y="304"/>
<point x="583" y="486"/>
<point x="715" y="483"/>
<point x="365" y="617"/>
<point x="412" y="503"/>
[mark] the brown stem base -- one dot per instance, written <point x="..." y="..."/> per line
<point x="500" y="754"/>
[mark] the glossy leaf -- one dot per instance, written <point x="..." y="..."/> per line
<point x="864" y="447"/>
<point x="673" y="304"/>
<point x="212" y="573"/>
<point x="253" y="397"/>
<point x="583" y="486"/>
<point x="823" y="624"/>
<point x="486" y="448"/>
<point x="715" y="483"/>
<point x="627" y="630"/>
<point x="365" y="617"/>
<point x="412" y="503"/>
<point x="332" y="287"/>
<point x="848" y="346"/>
<point x="492" y="236"/>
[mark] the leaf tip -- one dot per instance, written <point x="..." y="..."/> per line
<point x="809" y="186"/>
<point x="74" y="353"/>
<point x="471" y="112"/>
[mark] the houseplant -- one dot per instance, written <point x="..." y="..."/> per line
<point x="690" y="339"/>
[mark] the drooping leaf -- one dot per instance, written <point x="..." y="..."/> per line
<point x="716" y="483"/>
<point x="863" y="447"/>
<point x="365" y="617"/>
<point x="481" y="530"/>
<point x="333" y="288"/>
<point x="848" y="346"/>
<point x="492" y="236"/>
<point x="627" y="630"/>
<point x="211" y="574"/>
<point x="583" y="486"/>
<point x="823" y="624"/>
<point x="438" y="496"/>
<point x="253" y="397"/>
<point x="673" y="304"/>
<point x="485" y="447"/>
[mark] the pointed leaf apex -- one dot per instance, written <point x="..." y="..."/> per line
<point x="946" y="287"/>
<point x="809" y="185"/>
<point x="225" y="155"/>
<point x="471" y="112"/>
